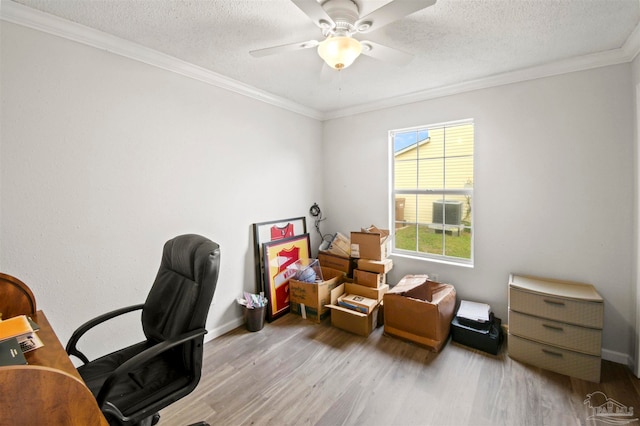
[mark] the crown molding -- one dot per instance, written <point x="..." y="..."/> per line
<point x="35" y="19"/>
<point x="579" y="63"/>
<point x="16" y="13"/>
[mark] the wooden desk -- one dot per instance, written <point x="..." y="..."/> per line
<point x="52" y="354"/>
<point x="48" y="391"/>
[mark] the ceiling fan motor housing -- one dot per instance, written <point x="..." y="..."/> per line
<point x="344" y="13"/>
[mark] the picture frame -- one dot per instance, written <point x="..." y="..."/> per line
<point x="278" y="255"/>
<point x="265" y="232"/>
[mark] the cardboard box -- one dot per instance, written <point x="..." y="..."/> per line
<point x="310" y="299"/>
<point x="370" y="243"/>
<point x="349" y="320"/>
<point x="357" y="302"/>
<point x="420" y="310"/>
<point x="371" y="293"/>
<point x="380" y="266"/>
<point x="339" y="263"/>
<point x="375" y="230"/>
<point x="381" y="313"/>
<point x="368" y="279"/>
<point x="353" y="321"/>
<point x="340" y="245"/>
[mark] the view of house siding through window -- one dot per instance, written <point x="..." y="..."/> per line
<point x="433" y="191"/>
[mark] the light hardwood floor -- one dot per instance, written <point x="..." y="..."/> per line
<point x="296" y="372"/>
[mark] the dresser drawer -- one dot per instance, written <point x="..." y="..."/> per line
<point x="581" y="339"/>
<point x="583" y="313"/>
<point x="575" y="364"/>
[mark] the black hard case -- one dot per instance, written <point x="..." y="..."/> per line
<point x="485" y="337"/>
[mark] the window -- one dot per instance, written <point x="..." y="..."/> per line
<point x="432" y="190"/>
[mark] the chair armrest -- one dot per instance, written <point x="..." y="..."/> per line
<point x="125" y="368"/>
<point x="80" y="331"/>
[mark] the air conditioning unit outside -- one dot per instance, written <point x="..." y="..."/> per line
<point x="452" y="212"/>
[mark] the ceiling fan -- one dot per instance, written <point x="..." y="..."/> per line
<point x="339" y="21"/>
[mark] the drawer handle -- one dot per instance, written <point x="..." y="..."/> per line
<point x="553" y="302"/>
<point x="552" y="327"/>
<point x="547" y="351"/>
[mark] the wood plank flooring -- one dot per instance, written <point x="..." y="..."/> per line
<point x="296" y="372"/>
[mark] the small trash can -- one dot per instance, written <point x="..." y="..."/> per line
<point x="254" y="317"/>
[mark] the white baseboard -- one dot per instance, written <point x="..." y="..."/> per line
<point x="617" y="357"/>
<point x="224" y="328"/>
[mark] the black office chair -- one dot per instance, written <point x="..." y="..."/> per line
<point x="133" y="384"/>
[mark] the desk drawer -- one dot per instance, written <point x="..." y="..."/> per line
<point x="581" y="339"/>
<point x="575" y="364"/>
<point x="587" y="314"/>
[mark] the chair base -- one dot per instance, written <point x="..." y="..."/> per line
<point x="150" y="421"/>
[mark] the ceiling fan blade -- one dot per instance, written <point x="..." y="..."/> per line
<point x="385" y="53"/>
<point x="314" y="10"/>
<point x="284" y="48"/>
<point x="390" y="12"/>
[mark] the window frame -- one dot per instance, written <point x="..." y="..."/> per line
<point x="394" y="193"/>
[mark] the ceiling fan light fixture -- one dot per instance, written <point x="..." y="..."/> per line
<point x="339" y="51"/>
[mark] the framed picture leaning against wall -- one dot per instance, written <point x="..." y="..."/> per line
<point x="278" y="255"/>
<point x="266" y="232"/>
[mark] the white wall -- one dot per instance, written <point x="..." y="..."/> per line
<point x="553" y="186"/>
<point x="635" y="340"/>
<point x="104" y="158"/>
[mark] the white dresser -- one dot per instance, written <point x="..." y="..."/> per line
<point x="556" y="325"/>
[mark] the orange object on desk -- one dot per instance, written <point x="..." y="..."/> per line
<point x="48" y="391"/>
<point x="14" y="327"/>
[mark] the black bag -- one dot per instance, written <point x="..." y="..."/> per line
<point x="485" y="336"/>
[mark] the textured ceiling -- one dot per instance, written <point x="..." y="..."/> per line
<point x="454" y="41"/>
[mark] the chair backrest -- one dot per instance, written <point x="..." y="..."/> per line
<point x="37" y="395"/>
<point x="181" y="295"/>
<point x="16" y="297"/>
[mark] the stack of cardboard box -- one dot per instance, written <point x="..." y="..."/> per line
<point x="366" y="266"/>
<point x="367" y="250"/>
